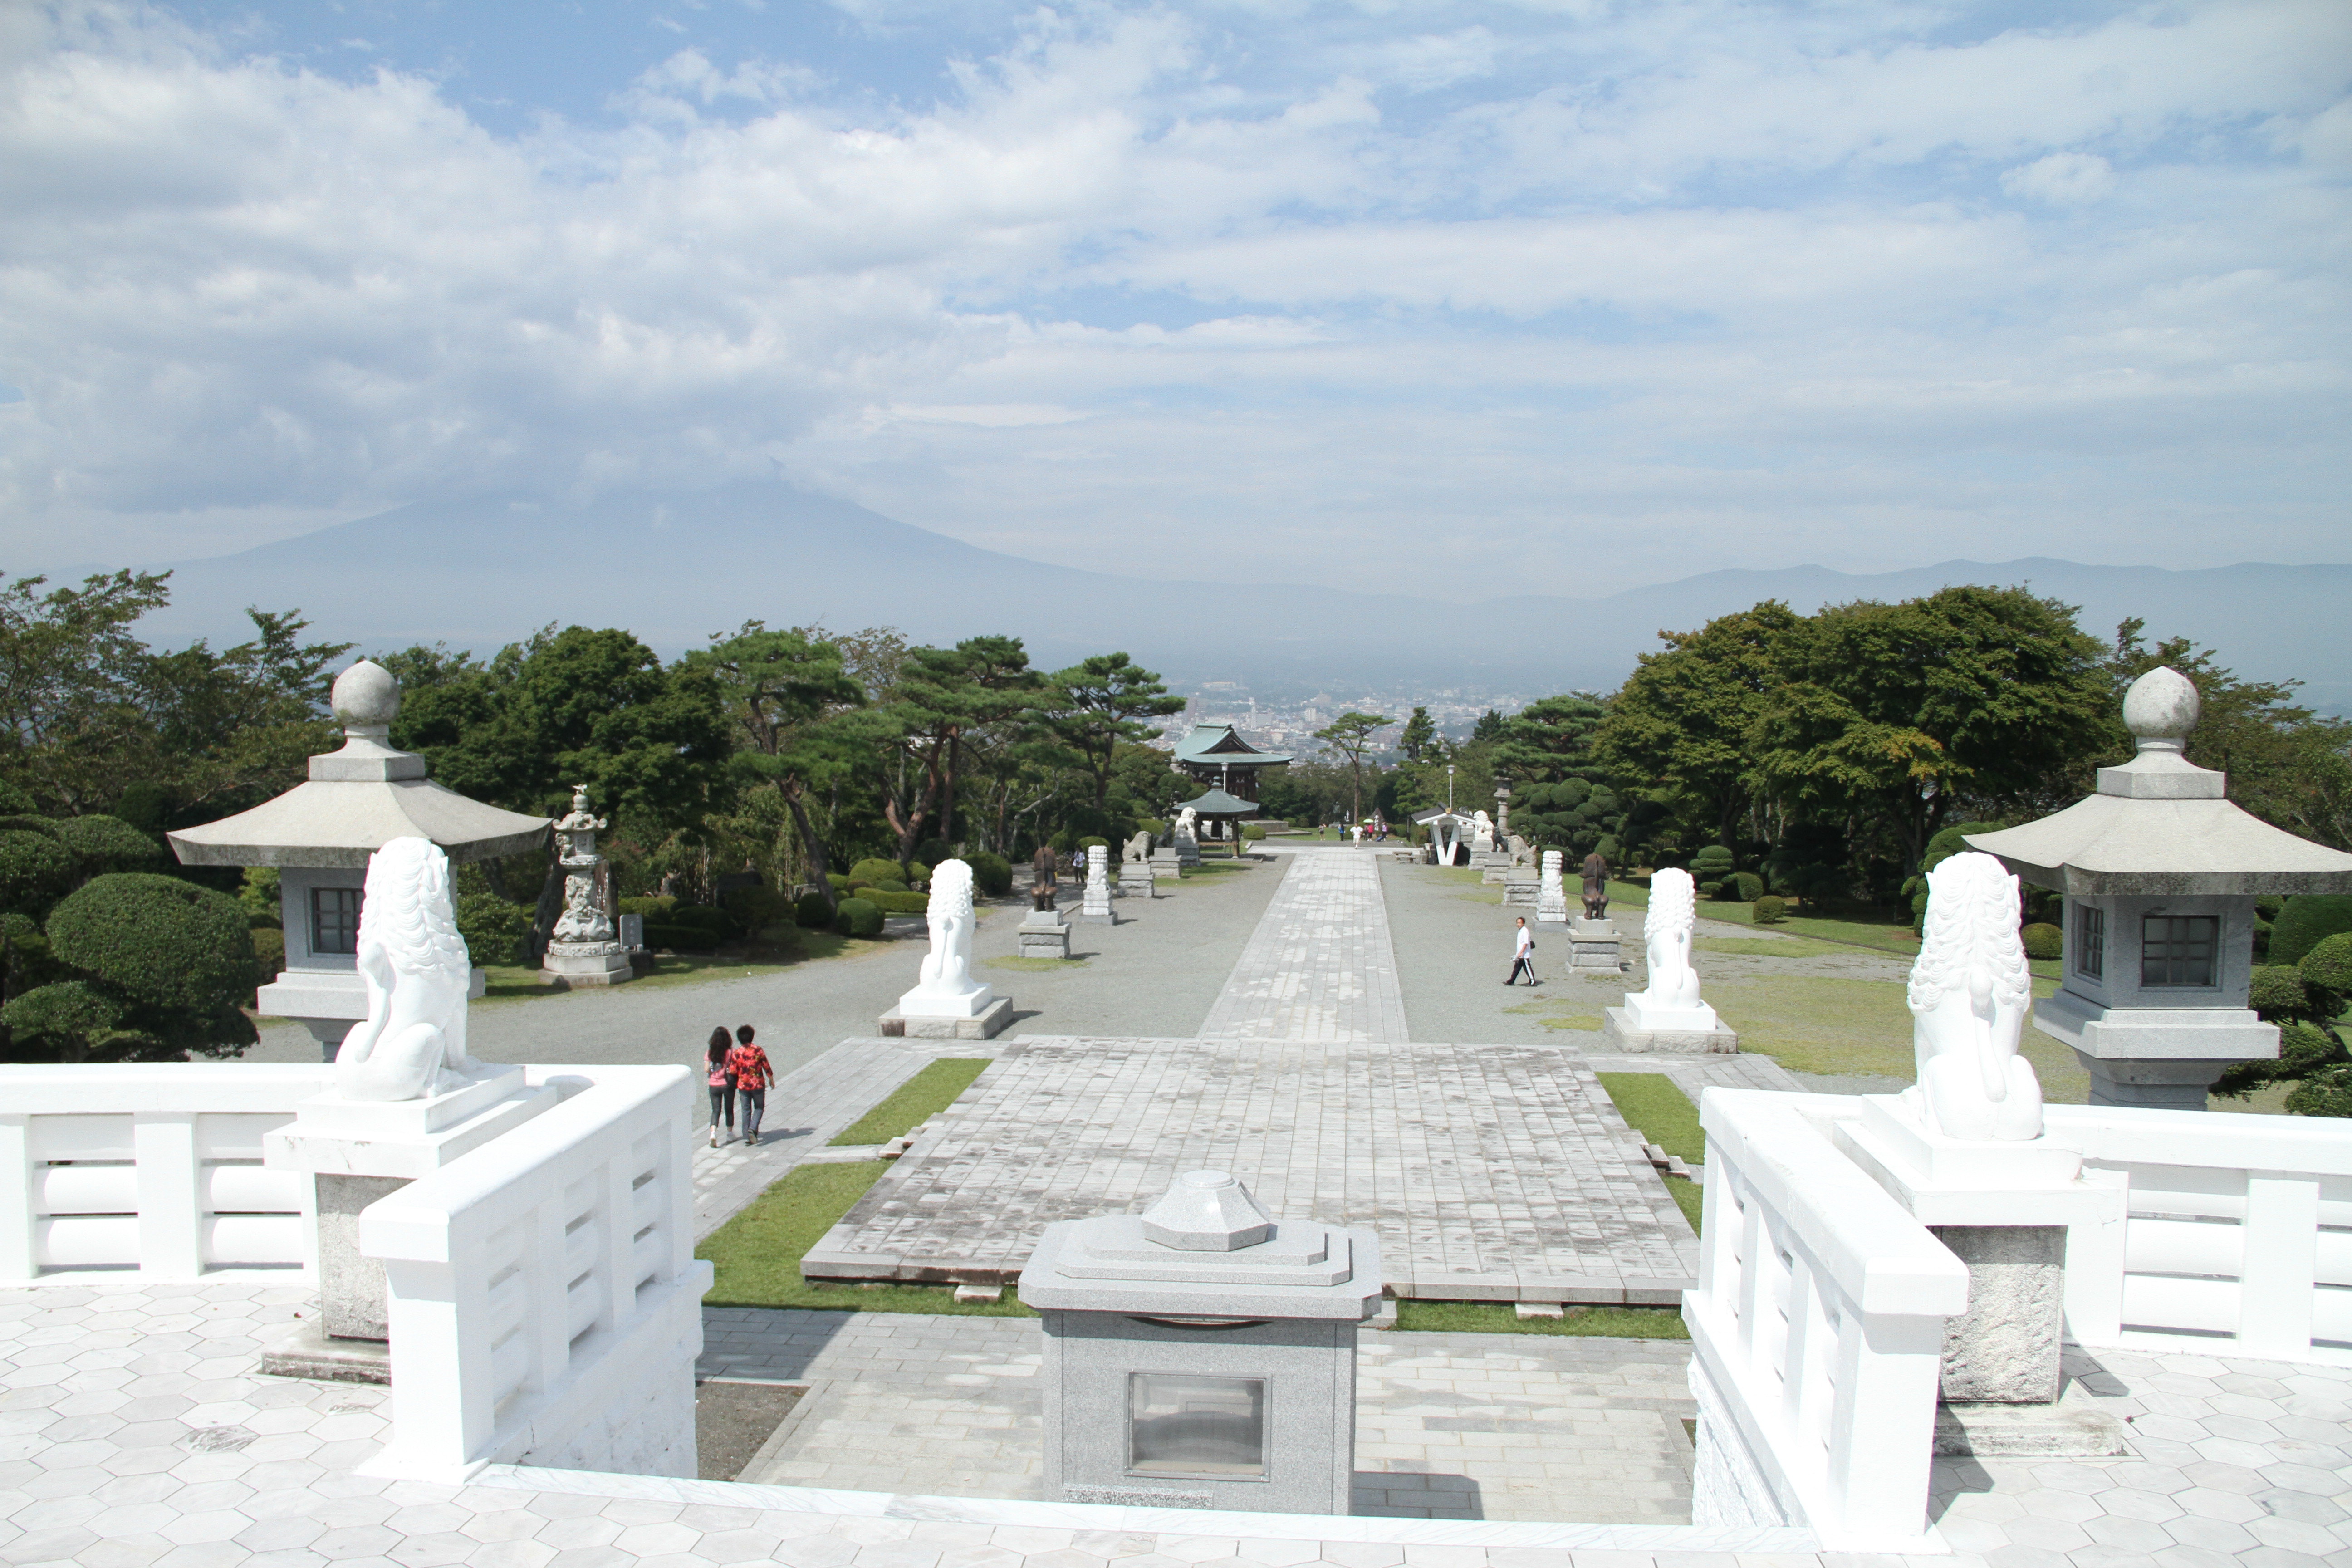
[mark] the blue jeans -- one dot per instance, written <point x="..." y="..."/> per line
<point x="755" y="1105"/>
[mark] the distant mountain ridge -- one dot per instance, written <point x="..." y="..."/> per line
<point x="674" y="569"/>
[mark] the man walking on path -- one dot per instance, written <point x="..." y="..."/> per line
<point x="1523" y="955"/>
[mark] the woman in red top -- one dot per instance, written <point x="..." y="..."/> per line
<point x="722" y="1087"/>
<point x="749" y="1066"/>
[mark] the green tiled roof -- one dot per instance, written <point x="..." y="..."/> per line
<point x="1215" y="746"/>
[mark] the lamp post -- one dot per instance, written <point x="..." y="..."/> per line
<point x="1449" y="786"/>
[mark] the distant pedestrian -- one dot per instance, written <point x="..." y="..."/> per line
<point x="752" y="1075"/>
<point x="1523" y="955"/>
<point x="722" y="1087"/>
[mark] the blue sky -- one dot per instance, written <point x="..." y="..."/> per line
<point x="1465" y="298"/>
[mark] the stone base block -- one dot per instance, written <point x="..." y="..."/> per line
<point x="305" y="1351"/>
<point x="1099" y="915"/>
<point x="2004" y="1349"/>
<point x="991" y="1022"/>
<point x="1619" y="1035"/>
<point x="1040" y="939"/>
<point x="602" y="963"/>
<point x="2030" y="1431"/>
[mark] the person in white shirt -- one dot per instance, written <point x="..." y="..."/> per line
<point x="1523" y="955"/>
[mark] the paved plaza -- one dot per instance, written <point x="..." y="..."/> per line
<point x="134" y="1429"/>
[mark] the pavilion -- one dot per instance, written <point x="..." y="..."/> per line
<point x="1216" y="755"/>
<point x="1222" y="811"/>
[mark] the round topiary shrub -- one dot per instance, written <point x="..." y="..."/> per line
<point x="2276" y="991"/>
<point x="107" y="844"/>
<point x="992" y="875"/>
<point x="2303" y="922"/>
<point x="1748" y="885"/>
<point x="159" y="940"/>
<point x="812" y="912"/>
<point x="35" y="870"/>
<point x="875" y="869"/>
<point x="492" y="927"/>
<point x="1711" y="864"/>
<point x="1769" y="911"/>
<point x="2329" y="966"/>
<point x="1252" y="833"/>
<point x="754" y="907"/>
<point x="269" y="953"/>
<point x="654" y="908"/>
<point x="2327" y="1092"/>
<point x="879" y="885"/>
<point x="859" y="917"/>
<point x="2043" y="941"/>
<point x="70" y="1016"/>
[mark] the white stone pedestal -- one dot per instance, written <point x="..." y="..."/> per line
<point x="1045" y="934"/>
<point x="1095" y="908"/>
<point x="1621" y="1031"/>
<point x="1594" y="947"/>
<point x="1136" y="880"/>
<point x="572" y="963"/>
<point x="1169" y="866"/>
<point x="2161" y="1058"/>
<point x="357" y="1150"/>
<point x="1520" y="890"/>
<point x="979" y="1014"/>
<point x="2014" y="1213"/>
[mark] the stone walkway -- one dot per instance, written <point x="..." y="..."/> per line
<point x="1319" y="966"/>
<point x="1449" y="1425"/>
<point x="134" y="1432"/>
<point x="1491" y="1172"/>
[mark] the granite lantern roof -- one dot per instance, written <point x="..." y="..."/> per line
<point x="2158" y="825"/>
<point x="359" y="799"/>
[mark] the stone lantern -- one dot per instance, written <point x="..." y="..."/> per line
<point x="2160" y="873"/>
<point x="319" y="834"/>
<point x="1201" y="1354"/>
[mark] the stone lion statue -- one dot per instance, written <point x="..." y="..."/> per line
<point x="1140" y="846"/>
<point x="947" y="968"/>
<point x="1667" y="934"/>
<point x="415" y="967"/>
<point x="1970" y="993"/>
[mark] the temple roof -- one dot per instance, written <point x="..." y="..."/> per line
<point x="1220" y="745"/>
<point x="1217" y="803"/>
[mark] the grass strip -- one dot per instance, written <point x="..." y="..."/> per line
<point x="1502" y="1318"/>
<point x="757" y="1254"/>
<point x="1653" y="1106"/>
<point x="914" y="1103"/>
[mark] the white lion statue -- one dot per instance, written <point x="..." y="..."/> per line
<point x="1188" y="825"/>
<point x="416" y="972"/>
<point x="947" y="968"/>
<point x="1969" y="993"/>
<point x="1667" y="934"/>
<point x="1138" y="848"/>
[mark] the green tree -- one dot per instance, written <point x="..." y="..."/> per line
<point x="941" y="695"/>
<point x="1350" y="735"/>
<point x="1419" y="736"/>
<point x="240" y="725"/>
<point x="1683" y="723"/>
<point x="779" y="688"/>
<point x="1100" y="704"/>
<point x="73" y="731"/>
<point x="1901" y="712"/>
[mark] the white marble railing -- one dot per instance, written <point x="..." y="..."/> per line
<point x="2238" y="1239"/>
<point x="1817" y="1331"/>
<point x="543" y="1294"/>
<point x="154" y="1169"/>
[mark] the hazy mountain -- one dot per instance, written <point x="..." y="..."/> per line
<point x="676" y="569"/>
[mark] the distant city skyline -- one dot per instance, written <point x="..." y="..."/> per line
<point x="1458" y="299"/>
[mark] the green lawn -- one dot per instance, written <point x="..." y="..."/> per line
<point x="915" y="1101"/>
<point x="1654" y="1106"/>
<point x="517" y="982"/>
<point x="757" y="1253"/>
<point x="1500" y="1318"/>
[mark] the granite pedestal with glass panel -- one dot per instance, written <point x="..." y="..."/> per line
<point x="1201" y="1354"/>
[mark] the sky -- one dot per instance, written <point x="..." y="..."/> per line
<point x="1459" y="299"/>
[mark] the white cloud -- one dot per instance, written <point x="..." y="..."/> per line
<point x="1644" y="289"/>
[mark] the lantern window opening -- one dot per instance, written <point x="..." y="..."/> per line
<point x="335" y="920"/>
<point x="2090" y="941"/>
<point x="2177" y="951"/>
<point x="1192" y="1423"/>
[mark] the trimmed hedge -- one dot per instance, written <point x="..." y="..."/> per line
<point x="654" y="908"/>
<point x="1748" y="885"/>
<point x="2043" y="940"/>
<point x="859" y="917"/>
<point x="107" y="844"/>
<point x="158" y="939"/>
<point x="2276" y="991"/>
<point x="492" y="927"/>
<point x="812" y="912"/>
<point x="682" y="938"/>
<point x="875" y="869"/>
<point x="2328" y="968"/>
<point x="1769" y="911"/>
<point x="2303" y="922"/>
<point x="35" y="870"/>
<point x="992" y="875"/>
<point x="269" y="953"/>
<point x="899" y="903"/>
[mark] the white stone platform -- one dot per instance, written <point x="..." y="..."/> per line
<point x="1493" y="1173"/>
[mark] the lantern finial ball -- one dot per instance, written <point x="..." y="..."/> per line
<point x="366" y="696"/>
<point x="2161" y="708"/>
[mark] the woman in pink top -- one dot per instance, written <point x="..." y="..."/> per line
<point x="722" y="1087"/>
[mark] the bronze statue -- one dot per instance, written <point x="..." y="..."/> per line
<point x="1596" y="887"/>
<point x="1043" y="868"/>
